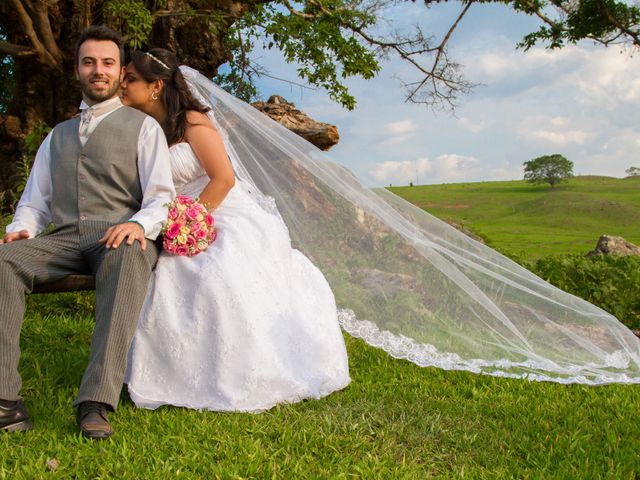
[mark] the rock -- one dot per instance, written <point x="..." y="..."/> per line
<point x="322" y="135"/>
<point x="52" y="464"/>
<point x="609" y="245"/>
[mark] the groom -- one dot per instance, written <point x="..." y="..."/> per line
<point x="103" y="180"/>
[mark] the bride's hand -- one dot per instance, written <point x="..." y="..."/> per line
<point x="131" y="231"/>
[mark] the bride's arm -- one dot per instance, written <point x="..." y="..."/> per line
<point x="208" y="147"/>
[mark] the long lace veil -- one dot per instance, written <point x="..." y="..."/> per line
<point x="408" y="283"/>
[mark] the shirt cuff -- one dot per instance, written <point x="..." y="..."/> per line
<point x="136" y="221"/>
<point x="151" y="223"/>
<point x="16" y="227"/>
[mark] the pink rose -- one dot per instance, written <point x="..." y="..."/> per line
<point x="209" y="219"/>
<point x="173" y="214"/>
<point x="199" y="207"/>
<point x="191" y="241"/>
<point x="200" y="234"/>
<point x="214" y="235"/>
<point x="173" y="231"/>
<point x="182" y="250"/>
<point x="169" y="247"/>
<point x="192" y="213"/>
<point x="184" y="199"/>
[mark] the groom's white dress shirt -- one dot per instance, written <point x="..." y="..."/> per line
<point x="154" y="169"/>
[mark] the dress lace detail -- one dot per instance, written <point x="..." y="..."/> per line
<point x="426" y="355"/>
<point x="243" y="326"/>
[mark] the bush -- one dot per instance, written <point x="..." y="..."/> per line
<point x="611" y="283"/>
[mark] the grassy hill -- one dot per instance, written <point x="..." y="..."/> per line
<point x="534" y="220"/>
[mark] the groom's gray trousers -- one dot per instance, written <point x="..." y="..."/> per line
<point x="122" y="276"/>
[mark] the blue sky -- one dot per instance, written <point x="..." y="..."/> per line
<point x="582" y="101"/>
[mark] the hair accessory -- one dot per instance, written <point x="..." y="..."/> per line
<point x="157" y="60"/>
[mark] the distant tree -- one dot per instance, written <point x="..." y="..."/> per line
<point x="632" y="172"/>
<point x="551" y="169"/>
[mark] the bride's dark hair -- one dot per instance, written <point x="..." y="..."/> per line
<point x="161" y="64"/>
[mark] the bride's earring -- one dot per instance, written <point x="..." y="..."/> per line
<point x="154" y="95"/>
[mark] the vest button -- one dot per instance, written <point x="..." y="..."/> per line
<point x="82" y="217"/>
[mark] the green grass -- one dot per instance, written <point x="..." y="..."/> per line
<point x="396" y="420"/>
<point x="532" y="221"/>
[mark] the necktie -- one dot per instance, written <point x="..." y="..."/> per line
<point x="85" y="119"/>
<point x="88" y="117"/>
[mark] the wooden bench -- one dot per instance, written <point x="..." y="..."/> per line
<point x="72" y="283"/>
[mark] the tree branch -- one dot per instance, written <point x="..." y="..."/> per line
<point x="27" y="24"/>
<point x="16" y="50"/>
<point x="441" y="78"/>
<point x="44" y="28"/>
<point x="297" y="13"/>
<point x="441" y="73"/>
<point x="42" y="53"/>
<point x="561" y="27"/>
<point x="614" y="21"/>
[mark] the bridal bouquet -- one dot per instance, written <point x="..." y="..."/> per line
<point x="188" y="229"/>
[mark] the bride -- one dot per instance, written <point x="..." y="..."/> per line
<point x="248" y="323"/>
<point x="251" y="322"/>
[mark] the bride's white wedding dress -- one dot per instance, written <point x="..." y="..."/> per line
<point x="243" y="326"/>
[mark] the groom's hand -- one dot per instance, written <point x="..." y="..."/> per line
<point x="10" y="237"/>
<point x="130" y="231"/>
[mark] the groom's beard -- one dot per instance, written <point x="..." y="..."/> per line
<point x="89" y="90"/>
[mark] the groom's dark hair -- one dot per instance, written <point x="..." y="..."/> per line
<point x="100" y="32"/>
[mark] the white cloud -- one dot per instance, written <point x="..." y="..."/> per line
<point x="604" y="77"/>
<point x="558" y="131"/>
<point x="451" y="167"/>
<point x="473" y="126"/>
<point x="403" y="127"/>
<point x="401" y="172"/>
<point x="613" y="157"/>
<point x="397" y="132"/>
<point x="445" y="168"/>
<point x="558" y="137"/>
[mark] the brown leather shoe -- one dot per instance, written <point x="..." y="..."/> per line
<point x="94" y="421"/>
<point x="14" y="418"/>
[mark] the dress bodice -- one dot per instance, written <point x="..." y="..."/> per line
<point x="188" y="175"/>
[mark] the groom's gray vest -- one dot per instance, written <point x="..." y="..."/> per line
<point x="100" y="181"/>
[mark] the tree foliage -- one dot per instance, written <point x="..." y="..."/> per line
<point x="568" y="21"/>
<point x="610" y="282"/>
<point x="331" y="40"/>
<point x="551" y="169"/>
<point x="632" y="172"/>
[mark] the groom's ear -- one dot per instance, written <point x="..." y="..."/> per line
<point x="122" y="72"/>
